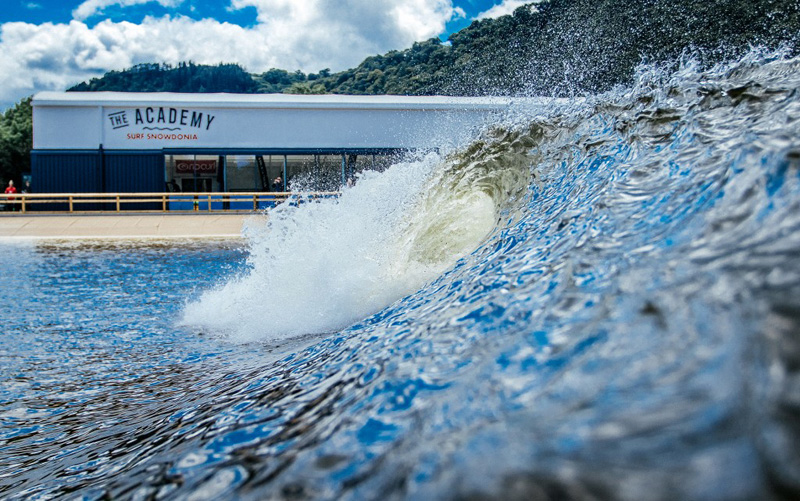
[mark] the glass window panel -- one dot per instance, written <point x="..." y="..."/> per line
<point x="274" y="164"/>
<point x="193" y="173"/>
<point x="241" y="173"/>
<point x="299" y="171"/>
<point x="328" y="173"/>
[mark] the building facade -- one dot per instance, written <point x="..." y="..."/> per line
<point x="104" y="142"/>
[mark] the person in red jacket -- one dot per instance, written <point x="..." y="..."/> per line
<point x="10" y="190"/>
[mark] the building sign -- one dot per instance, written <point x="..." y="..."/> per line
<point x="158" y="125"/>
<point x="217" y="123"/>
<point x="201" y="167"/>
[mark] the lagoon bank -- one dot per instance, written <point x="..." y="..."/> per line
<point x="120" y="226"/>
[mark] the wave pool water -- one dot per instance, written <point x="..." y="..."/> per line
<point x="596" y="302"/>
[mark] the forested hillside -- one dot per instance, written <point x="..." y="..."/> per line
<point x="556" y="47"/>
<point x="185" y="77"/>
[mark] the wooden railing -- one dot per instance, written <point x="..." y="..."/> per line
<point x="165" y="202"/>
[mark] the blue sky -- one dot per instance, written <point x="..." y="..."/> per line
<point x="53" y="44"/>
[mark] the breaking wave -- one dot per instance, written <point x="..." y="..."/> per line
<point x="596" y="300"/>
<point x="320" y="266"/>
<point x="593" y="299"/>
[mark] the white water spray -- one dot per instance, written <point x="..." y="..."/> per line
<point x="324" y="265"/>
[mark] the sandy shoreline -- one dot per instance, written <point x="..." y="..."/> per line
<point x="69" y="226"/>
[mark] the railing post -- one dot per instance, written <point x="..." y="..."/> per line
<point x="70" y="203"/>
<point x="209" y="203"/>
<point x="118" y="202"/>
<point x="163" y="203"/>
<point x="255" y="202"/>
<point x="23" y="204"/>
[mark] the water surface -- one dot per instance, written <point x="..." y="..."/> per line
<point x="595" y="302"/>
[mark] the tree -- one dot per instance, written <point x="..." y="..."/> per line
<point x="186" y="77"/>
<point x="16" y="141"/>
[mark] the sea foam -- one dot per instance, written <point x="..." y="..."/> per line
<point x="319" y="266"/>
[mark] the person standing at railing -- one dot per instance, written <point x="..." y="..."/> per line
<point x="10" y="190"/>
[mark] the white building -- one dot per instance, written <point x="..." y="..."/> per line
<point x="151" y="142"/>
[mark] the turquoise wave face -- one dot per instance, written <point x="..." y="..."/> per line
<point x="600" y="301"/>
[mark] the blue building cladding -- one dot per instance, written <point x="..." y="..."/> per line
<point x="66" y="172"/>
<point x="133" y="172"/>
<point x="98" y="172"/>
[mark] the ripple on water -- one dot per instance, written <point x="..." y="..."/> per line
<point x="625" y="329"/>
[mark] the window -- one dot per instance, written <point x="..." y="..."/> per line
<point x="192" y="173"/>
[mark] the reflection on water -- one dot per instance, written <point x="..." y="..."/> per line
<point x="93" y="366"/>
<point x="627" y="329"/>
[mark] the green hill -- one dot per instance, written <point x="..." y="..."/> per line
<point x="558" y="47"/>
<point x="185" y="77"/>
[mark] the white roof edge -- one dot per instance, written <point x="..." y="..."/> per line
<point x="294" y="101"/>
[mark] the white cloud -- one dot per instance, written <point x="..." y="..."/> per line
<point x="314" y="34"/>
<point x="504" y="8"/>
<point x="56" y="56"/>
<point x="290" y="34"/>
<point x="91" y="7"/>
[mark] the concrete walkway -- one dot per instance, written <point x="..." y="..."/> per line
<point x="68" y="226"/>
